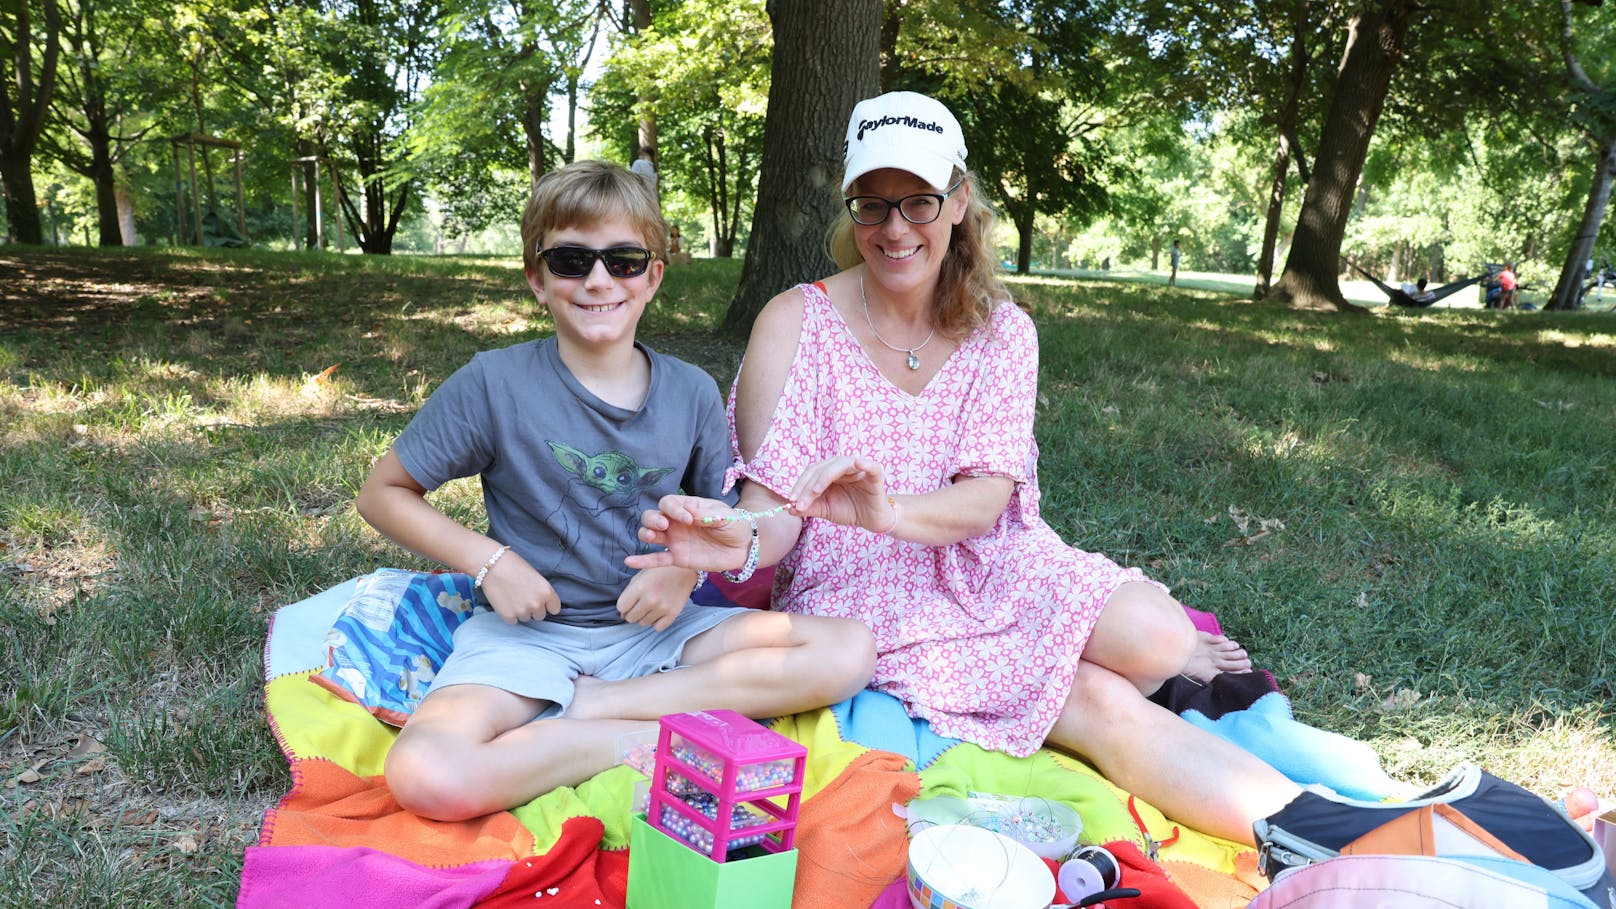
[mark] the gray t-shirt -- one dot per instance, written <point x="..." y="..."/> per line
<point x="566" y="475"/>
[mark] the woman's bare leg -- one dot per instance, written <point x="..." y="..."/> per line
<point x="1145" y="636"/>
<point x="1191" y="775"/>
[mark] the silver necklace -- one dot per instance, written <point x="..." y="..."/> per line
<point x="913" y="361"/>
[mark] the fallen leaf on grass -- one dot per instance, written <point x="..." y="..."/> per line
<point x="1402" y="700"/>
<point x="86" y="745"/>
<point x="95" y="766"/>
<point x="187" y="844"/>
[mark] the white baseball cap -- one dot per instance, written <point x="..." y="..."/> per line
<point x="907" y="131"/>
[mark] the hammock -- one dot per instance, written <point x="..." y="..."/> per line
<point x="1400" y="297"/>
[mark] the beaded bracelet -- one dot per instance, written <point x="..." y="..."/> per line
<point x="741" y="514"/>
<point x="701" y="578"/>
<point x="736" y="577"/>
<point x="483" y="573"/>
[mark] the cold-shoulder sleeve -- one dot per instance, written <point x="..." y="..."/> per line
<point x="796" y="434"/>
<point x="1003" y="399"/>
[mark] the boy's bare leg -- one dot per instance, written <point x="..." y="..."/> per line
<point x="469" y="750"/>
<point x="760" y="664"/>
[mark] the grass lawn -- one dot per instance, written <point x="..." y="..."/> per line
<point x="1409" y="517"/>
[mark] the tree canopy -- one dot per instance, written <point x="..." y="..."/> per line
<point x="1292" y="136"/>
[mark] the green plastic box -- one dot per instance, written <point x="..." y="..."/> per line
<point x="664" y="873"/>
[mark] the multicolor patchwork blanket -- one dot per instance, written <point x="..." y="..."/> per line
<point x="338" y="838"/>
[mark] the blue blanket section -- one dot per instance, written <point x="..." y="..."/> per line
<point x="877" y="720"/>
<point x="1307" y="755"/>
<point x="300" y="628"/>
<point x="393" y="634"/>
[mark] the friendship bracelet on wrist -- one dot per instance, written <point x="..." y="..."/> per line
<point x="483" y="572"/>
<point x="736" y="577"/>
<point x="897" y="517"/>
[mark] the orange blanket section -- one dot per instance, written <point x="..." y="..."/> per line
<point x="850" y="844"/>
<point x="329" y="806"/>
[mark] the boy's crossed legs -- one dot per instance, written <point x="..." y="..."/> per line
<point x="472" y="749"/>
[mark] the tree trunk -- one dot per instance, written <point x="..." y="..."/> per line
<point x="1276" y="203"/>
<point x="533" y="117"/>
<point x="640" y="15"/>
<point x="105" y="181"/>
<point x="22" y="117"/>
<point x="826" y="60"/>
<point x="126" y="215"/>
<point x="1569" y="288"/>
<point x="1285" y="126"/>
<point x="1024" y="232"/>
<point x="22" y="205"/>
<point x="1374" y="48"/>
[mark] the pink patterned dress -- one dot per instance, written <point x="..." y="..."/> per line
<point x="982" y="637"/>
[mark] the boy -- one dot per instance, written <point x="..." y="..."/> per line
<point x="573" y="436"/>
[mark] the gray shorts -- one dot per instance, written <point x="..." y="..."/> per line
<point x="540" y="659"/>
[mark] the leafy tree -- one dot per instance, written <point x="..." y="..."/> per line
<point x="1374" y="47"/>
<point x="1595" y="117"/>
<point x="389" y="47"/>
<point x="825" y="61"/>
<point x="702" y="73"/>
<point x="1036" y="91"/>
<point x="25" y="97"/>
<point x="105" y="97"/>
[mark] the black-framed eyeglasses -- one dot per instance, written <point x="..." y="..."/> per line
<point x="919" y="208"/>
<point x="576" y="261"/>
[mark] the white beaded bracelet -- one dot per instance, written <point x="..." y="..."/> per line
<point x="736" y="577"/>
<point x="483" y="573"/>
<point x="701" y="578"/>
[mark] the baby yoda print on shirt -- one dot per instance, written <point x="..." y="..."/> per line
<point x="599" y="484"/>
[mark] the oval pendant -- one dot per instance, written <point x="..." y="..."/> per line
<point x="914" y="361"/>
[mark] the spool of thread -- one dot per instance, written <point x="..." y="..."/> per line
<point x="1090" y="870"/>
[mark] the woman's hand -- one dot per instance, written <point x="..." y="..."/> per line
<point x="849" y="491"/>
<point x="714" y="545"/>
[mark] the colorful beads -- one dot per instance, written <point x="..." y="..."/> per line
<point x="741" y="514"/>
<point x="700" y="837"/>
<point x="748" y="778"/>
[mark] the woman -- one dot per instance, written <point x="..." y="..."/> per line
<point x="883" y="421"/>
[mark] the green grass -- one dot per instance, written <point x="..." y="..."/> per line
<point x="1410" y="518"/>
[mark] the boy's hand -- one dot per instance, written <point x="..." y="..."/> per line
<point x="519" y="593"/>
<point x="656" y="596"/>
<point x="676" y="524"/>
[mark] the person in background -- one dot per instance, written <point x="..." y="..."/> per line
<point x="645" y="167"/>
<point x="1172" y="279"/>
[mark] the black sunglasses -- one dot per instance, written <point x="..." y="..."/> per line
<point x="919" y="208"/>
<point x="576" y="261"/>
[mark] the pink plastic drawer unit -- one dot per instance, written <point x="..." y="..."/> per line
<point x="719" y="780"/>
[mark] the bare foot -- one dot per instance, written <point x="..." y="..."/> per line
<point x="1215" y="653"/>
<point x="1581" y="805"/>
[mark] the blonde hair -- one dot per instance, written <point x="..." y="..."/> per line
<point x="968" y="287"/>
<point x="587" y="192"/>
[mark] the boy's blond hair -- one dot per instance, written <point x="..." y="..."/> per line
<point x="586" y="192"/>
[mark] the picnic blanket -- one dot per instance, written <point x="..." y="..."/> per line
<point x="339" y="838"/>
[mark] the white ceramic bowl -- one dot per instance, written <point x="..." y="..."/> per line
<point x="957" y="866"/>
